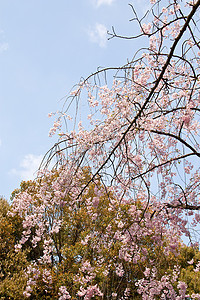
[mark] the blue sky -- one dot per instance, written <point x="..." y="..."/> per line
<point x="45" y="47"/>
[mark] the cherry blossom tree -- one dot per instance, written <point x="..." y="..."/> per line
<point x="141" y="144"/>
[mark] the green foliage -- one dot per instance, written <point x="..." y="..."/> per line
<point x="190" y="272"/>
<point x="13" y="281"/>
<point x="72" y="248"/>
<point x="12" y="264"/>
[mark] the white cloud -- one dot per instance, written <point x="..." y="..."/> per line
<point x="99" y="35"/>
<point x="28" y="167"/>
<point x="3" y="47"/>
<point x="0" y="142"/>
<point x="101" y="2"/>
